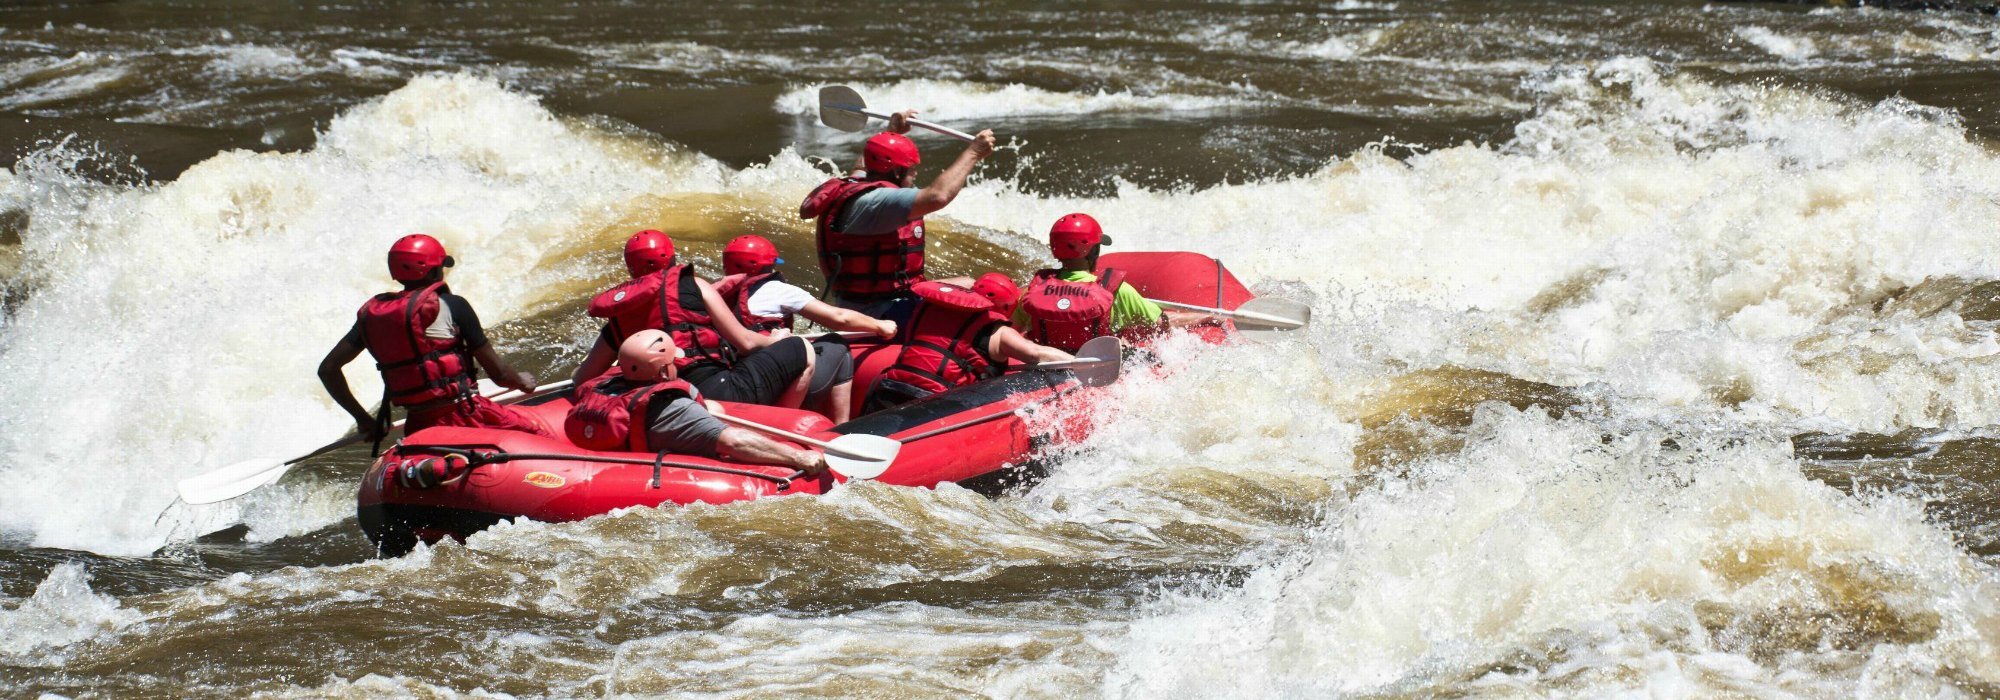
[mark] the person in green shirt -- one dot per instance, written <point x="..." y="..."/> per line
<point x="1068" y="305"/>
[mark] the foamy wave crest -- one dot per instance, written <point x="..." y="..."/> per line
<point x="1668" y="235"/>
<point x="1707" y="565"/>
<point x="63" y="611"/>
<point x="951" y="100"/>
<point x="38" y="81"/>
<point x="1790" y="48"/>
<point x="202" y="304"/>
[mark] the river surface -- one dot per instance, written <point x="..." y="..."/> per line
<point x="1654" y="351"/>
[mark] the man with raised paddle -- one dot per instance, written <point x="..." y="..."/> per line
<point x="870" y="223"/>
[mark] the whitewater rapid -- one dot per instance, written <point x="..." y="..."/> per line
<point x="1657" y="280"/>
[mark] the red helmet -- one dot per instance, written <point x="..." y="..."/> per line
<point x="749" y="254"/>
<point x="1000" y="288"/>
<point x="1074" y="235"/>
<point x="414" y="256"/>
<point x="647" y="252"/>
<point x="889" y="151"/>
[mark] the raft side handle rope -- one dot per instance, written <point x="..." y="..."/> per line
<point x="477" y="458"/>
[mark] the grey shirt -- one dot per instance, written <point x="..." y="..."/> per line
<point x="878" y="211"/>
<point x="681" y="426"/>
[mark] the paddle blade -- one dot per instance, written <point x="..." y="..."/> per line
<point x="1102" y="347"/>
<point x="231" y="481"/>
<point x="862" y="456"/>
<point x="840" y="107"/>
<point x="1105" y="353"/>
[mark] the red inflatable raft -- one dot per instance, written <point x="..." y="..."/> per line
<point x="978" y="436"/>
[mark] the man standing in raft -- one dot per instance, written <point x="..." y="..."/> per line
<point x="666" y="295"/>
<point x="870" y="228"/>
<point x="954" y="338"/>
<point x="424" y="340"/>
<point x="1069" y="305"/>
<point x="766" y="304"/>
<point x="647" y="408"/>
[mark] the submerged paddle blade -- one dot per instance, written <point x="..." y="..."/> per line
<point x="840" y="107"/>
<point x="231" y="481"/>
<point x="1100" y="373"/>
<point x="862" y="456"/>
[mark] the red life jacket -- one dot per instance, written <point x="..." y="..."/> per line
<point x="938" y="343"/>
<point x="862" y="268"/>
<point x="736" y="290"/>
<point x="610" y="412"/>
<point x="415" y="369"/>
<point x="667" y="300"/>
<point x="1069" y="314"/>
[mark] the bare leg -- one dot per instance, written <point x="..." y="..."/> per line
<point x="838" y="405"/>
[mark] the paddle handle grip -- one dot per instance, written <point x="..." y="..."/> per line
<point x="1224" y="313"/>
<point x="933" y="126"/>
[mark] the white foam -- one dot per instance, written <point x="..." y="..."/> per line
<point x="63" y="611"/>
<point x="1788" y="47"/>
<point x="210" y="297"/>
<point x="1638" y="562"/>
<point x="39" y="81"/>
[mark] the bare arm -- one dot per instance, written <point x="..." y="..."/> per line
<point x="841" y="319"/>
<point x="596" y="362"/>
<point x="1182" y="319"/>
<point x="502" y="374"/>
<point x="724" y="320"/>
<point x="945" y="188"/>
<point x="739" y="445"/>
<point x="1009" y="343"/>
<point x="343" y="395"/>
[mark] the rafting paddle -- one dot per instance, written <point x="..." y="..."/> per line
<point x="842" y="108"/>
<point x="858" y="456"/>
<point x="1097" y="363"/>
<point x="1256" y="318"/>
<point x="245" y="476"/>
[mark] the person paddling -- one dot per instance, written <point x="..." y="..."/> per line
<point x="870" y="223"/>
<point x="425" y="340"/>
<point x="954" y="338"/>
<point x="765" y="303"/>
<point x="1066" y="306"/>
<point x="664" y="294"/>
<point x="646" y="407"/>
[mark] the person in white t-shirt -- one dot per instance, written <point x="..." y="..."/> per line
<point x="765" y="303"/>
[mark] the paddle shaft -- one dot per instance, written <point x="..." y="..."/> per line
<point x="843" y="334"/>
<point x="1224" y="313"/>
<point x="789" y="435"/>
<point x="939" y="128"/>
<point x="1078" y="362"/>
